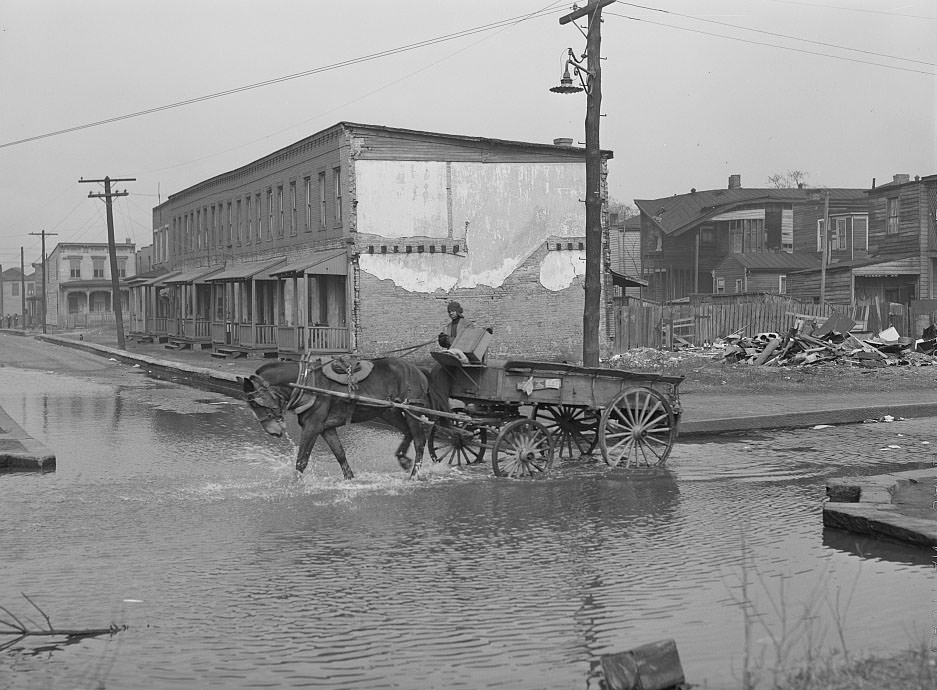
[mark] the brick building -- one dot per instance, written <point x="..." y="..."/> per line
<point x="354" y="239"/>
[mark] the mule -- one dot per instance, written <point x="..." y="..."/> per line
<point x="270" y="395"/>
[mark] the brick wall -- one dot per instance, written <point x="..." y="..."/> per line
<point x="528" y="320"/>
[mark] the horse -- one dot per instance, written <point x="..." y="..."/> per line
<point x="269" y="393"/>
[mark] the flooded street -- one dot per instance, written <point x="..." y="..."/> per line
<point x="173" y="514"/>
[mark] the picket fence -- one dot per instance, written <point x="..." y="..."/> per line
<point x="664" y="326"/>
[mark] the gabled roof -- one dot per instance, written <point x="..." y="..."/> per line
<point x="681" y="212"/>
<point x="771" y="261"/>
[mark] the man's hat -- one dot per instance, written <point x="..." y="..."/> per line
<point x="454" y="306"/>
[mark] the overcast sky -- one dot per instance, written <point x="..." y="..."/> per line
<point x="692" y="92"/>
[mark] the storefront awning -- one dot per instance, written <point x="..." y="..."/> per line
<point x="625" y="281"/>
<point x="196" y="275"/>
<point x="158" y="280"/>
<point x="243" y="271"/>
<point x="320" y="263"/>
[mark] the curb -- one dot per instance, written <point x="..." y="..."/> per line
<point x="177" y="372"/>
<point x="20" y="452"/>
<point x="789" y="420"/>
<point x="868" y="507"/>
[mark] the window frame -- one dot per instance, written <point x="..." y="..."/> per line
<point x="307" y="185"/>
<point x="292" y="208"/>
<point x="337" y="189"/>
<point x="323" y="217"/>
<point x="892" y="215"/>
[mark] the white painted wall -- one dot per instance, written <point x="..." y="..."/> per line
<point x="500" y="214"/>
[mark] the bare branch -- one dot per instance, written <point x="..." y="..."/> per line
<point x="35" y="606"/>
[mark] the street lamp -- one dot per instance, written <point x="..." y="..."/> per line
<point x="592" y="85"/>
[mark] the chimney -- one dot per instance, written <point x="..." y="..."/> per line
<point x="735" y="181"/>
<point x="901" y="179"/>
<point x="563" y="141"/>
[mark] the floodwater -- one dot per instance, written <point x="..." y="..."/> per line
<point x="171" y="513"/>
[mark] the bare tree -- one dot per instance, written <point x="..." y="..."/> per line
<point x="792" y="179"/>
<point x="621" y="208"/>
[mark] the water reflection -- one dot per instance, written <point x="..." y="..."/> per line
<point x="248" y="576"/>
<point x="867" y="547"/>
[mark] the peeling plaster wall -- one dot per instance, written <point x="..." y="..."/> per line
<point x="501" y="213"/>
<point x="528" y="321"/>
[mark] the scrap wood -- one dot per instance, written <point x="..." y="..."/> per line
<point x="17" y="629"/>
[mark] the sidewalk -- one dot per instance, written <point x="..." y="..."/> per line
<point x="703" y="414"/>
<point x="20" y="452"/>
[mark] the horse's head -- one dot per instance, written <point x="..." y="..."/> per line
<point x="266" y="404"/>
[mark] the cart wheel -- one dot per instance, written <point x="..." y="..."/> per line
<point x="575" y="429"/>
<point x="637" y="428"/>
<point x="524" y="448"/>
<point x="457" y="443"/>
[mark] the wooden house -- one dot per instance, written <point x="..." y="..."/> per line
<point x="759" y="272"/>
<point x="686" y="236"/>
<point x="899" y="266"/>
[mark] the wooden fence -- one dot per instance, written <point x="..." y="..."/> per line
<point x="664" y="326"/>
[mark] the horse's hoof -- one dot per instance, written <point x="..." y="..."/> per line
<point x="406" y="464"/>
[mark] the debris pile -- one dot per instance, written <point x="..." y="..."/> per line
<point x="833" y="341"/>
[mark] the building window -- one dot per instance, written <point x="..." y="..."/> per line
<point x="860" y="232"/>
<point x="838" y="239"/>
<point x="307" y="184"/>
<point x="747" y="235"/>
<point x="269" y="234"/>
<point x="230" y="232"/>
<point x="16" y="289"/>
<point x="891" y="216"/>
<point x="250" y="220"/>
<point x="738" y="286"/>
<point x="337" y="178"/>
<point x="198" y="225"/>
<point x="98" y="268"/>
<point x="258" y="209"/>
<point x="292" y="208"/>
<point x="820" y="235"/>
<point x="122" y="268"/>
<point x="74" y="268"/>
<point x="237" y="223"/>
<point x="280" y="211"/>
<point x="707" y="237"/>
<point x="321" y="201"/>
<point x="720" y="285"/>
<point x="782" y="285"/>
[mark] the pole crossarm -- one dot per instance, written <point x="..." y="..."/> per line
<point x="108" y="195"/>
<point x="583" y="11"/>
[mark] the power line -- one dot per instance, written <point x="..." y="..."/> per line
<point x="855" y="9"/>
<point x="775" y="45"/>
<point x="278" y="80"/>
<point x="778" y="35"/>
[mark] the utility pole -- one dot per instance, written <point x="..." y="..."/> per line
<point x="593" y="282"/>
<point x="112" y="249"/>
<point x="826" y="247"/>
<point x="23" y="285"/>
<point x="2" y="313"/>
<point x="43" y="233"/>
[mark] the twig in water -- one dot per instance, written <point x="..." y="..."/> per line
<point x="20" y="631"/>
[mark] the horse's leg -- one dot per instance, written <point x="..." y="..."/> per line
<point x="418" y="434"/>
<point x="412" y="431"/>
<point x="310" y="422"/>
<point x="331" y="437"/>
<point x="307" y="441"/>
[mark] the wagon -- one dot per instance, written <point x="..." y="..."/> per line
<point x="527" y="413"/>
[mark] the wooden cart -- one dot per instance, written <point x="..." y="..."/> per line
<point x="527" y="413"/>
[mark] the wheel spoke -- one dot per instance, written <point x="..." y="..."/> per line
<point x="636" y="428"/>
